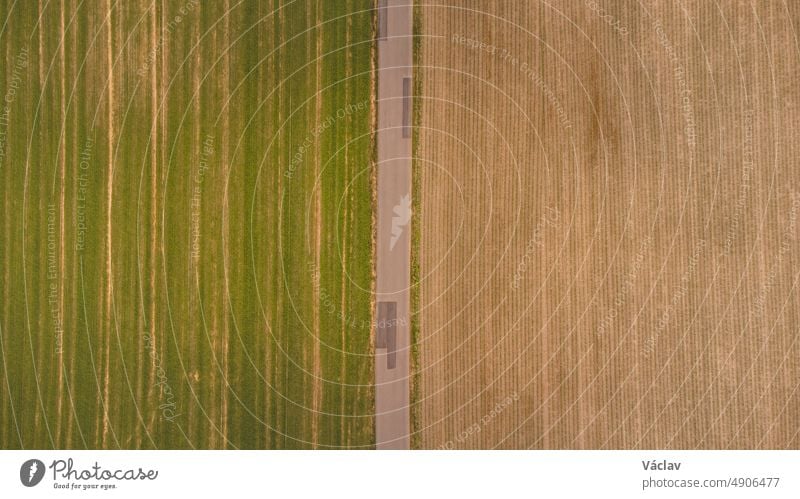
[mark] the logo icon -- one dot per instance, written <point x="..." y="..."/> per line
<point x="31" y="472"/>
<point x="402" y="215"/>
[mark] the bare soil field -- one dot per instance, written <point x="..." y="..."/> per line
<point x="607" y="205"/>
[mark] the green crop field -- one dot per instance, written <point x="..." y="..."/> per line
<point x="187" y="232"/>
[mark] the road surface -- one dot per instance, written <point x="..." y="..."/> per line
<point x="394" y="224"/>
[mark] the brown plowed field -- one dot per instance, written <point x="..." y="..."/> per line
<point x="607" y="206"/>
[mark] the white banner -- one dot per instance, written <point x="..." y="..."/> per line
<point x="385" y="475"/>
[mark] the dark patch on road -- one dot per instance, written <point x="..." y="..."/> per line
<point x="386" y="331"/>
<point x="406" y="107"/>
<point x="383" y="19"/>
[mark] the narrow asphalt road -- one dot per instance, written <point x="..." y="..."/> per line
<point x="392" y="426"/>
